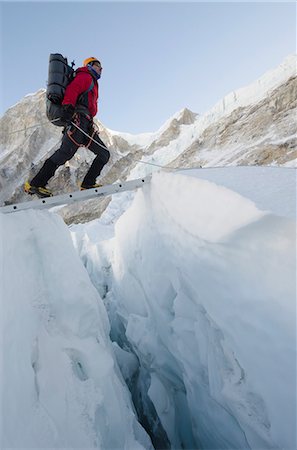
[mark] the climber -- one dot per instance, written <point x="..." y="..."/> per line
<point x="79" y="106"/>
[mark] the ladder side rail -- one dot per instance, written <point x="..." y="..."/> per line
<point x="77" y="196"/>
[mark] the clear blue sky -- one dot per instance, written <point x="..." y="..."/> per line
<point x="157" y="57"/>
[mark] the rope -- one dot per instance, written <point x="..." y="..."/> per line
<point x="32" y="126"/>
<point x="90" y="137"/>
<point x="138" y="160"/>
<point x="164" y="167"/>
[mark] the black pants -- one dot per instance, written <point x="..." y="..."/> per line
<point x="71" y="141"/>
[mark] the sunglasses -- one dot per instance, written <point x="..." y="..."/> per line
<point x="97" y="64"/>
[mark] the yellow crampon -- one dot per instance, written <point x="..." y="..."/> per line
<point x="83" y="188"/>
<point x="41" y="192"/>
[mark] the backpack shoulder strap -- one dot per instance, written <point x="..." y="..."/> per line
<point x="90" y="87"/>
<point x="82" y="101"/>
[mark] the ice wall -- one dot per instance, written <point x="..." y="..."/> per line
<point x="60" y="382"/>
<point x="203" y="283"/>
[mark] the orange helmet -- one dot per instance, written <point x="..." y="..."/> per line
<point x="90" y="60"/>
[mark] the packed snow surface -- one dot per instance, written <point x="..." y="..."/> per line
<point x="195" y="285"/>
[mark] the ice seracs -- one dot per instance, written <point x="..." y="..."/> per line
<point x="200" y="282"/>
<point x="60" y="382"/>
<point x="195" y="285"/>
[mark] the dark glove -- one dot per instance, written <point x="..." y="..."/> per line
<point x="67" y="113"/>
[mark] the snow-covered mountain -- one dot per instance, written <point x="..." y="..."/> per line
<point x="251" y="126"/>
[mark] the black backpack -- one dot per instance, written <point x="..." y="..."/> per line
<point x="60" y="74"/>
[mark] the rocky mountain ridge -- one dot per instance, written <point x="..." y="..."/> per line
<point x="252" y="126"/>
<point x="260" y="134"/>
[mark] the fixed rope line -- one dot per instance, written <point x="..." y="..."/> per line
<point x="158" y="165"/>
<point x="136" y="160"/>
<point x="90" y="137"/>
<point x="86" y="134"/>
<point x="32" y="126"/>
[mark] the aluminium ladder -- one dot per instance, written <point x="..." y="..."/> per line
<point x="77" y="196"/>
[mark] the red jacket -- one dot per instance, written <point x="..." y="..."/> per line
<point x="81" y="82"/>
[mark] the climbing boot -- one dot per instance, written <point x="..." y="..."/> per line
<point x="40" y="191"/>
<point x="83" y="187"/>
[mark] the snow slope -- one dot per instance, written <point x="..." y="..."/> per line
<point x="255" y="91"/>
<point x="202" y="281"/>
